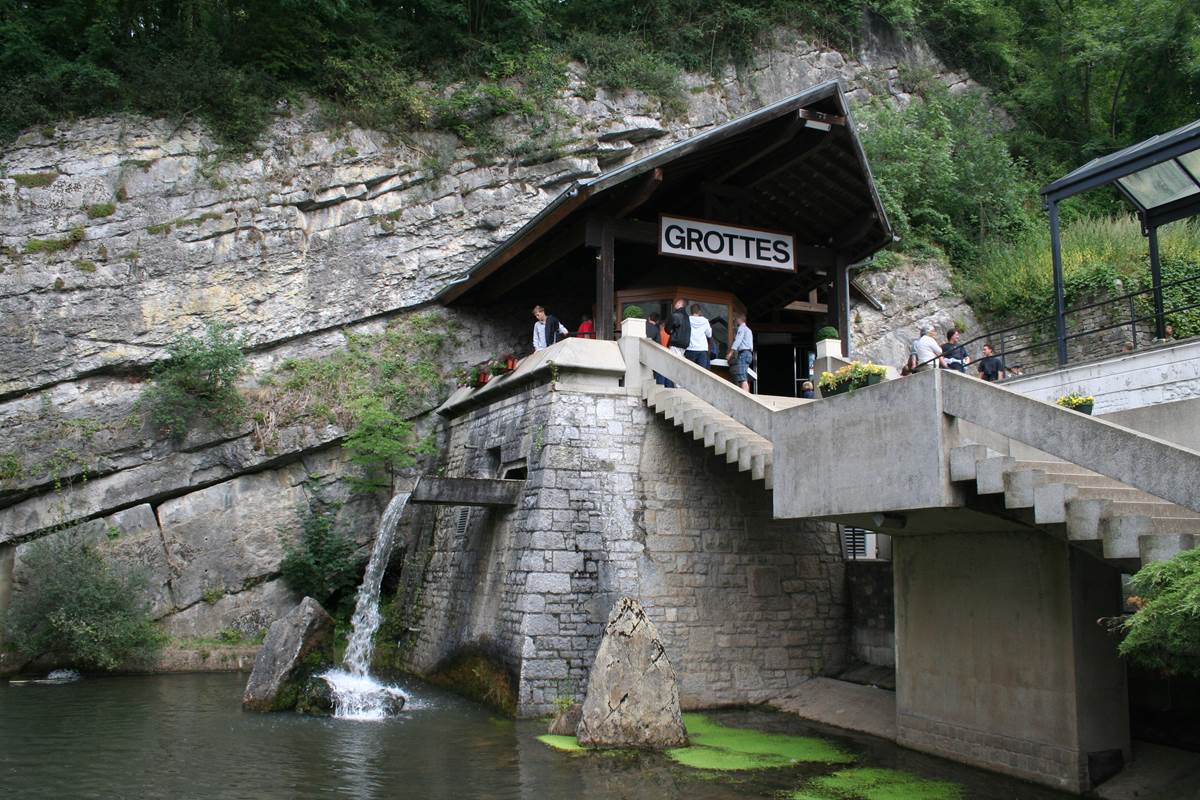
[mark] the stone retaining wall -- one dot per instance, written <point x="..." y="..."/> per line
<point x="618" y="502"/>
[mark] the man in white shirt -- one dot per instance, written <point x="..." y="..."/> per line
<point x="546" y="323"/>
<point x="697" y="349"/>
<point x="929" y="352"/>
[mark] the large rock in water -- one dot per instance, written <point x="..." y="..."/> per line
<point x="632" y="695"/>
<point x="297" y="646"/>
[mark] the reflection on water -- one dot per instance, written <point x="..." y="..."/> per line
<point x="185" y="736"/>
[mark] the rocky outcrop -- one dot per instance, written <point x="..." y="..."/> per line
<point x="296" y="648"/>
<point x="912" y="294"/>
<point x="566" y="722"/>
<point x="632" y="695"/>
<point x="144" y="229"/>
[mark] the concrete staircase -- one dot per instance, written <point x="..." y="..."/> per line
<point x="720" y="432"/>
<point x="1124" y="525"/>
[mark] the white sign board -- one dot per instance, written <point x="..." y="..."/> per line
<point x="750" y="247"/>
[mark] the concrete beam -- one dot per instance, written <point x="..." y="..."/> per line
<point x="486" y="492"/>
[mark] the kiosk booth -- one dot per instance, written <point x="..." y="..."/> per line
<point x="766" y="214"/>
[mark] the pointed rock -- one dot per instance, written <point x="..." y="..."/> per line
<point x="297" y="646"/>
<point x="632" y="695"/>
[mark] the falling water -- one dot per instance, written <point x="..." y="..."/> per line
<point x="356" y="693"/>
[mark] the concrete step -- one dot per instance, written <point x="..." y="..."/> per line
<point x="721" y="433"/>
<point x="1163" y="546"/>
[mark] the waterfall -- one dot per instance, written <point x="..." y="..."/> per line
<point x="357" y="695"/>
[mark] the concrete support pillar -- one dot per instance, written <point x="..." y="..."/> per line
<point x="633" y="330"/>
<point x="8" y="554"/>
<point x="1000" y="661"/>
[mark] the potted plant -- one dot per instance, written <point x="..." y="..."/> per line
<point x="1077" y="401"/>
<point x="498" y="366"/>
<point x="480" y="375"/>
<point x="510" y="361"/>
<point x="828" y="343"/>
<point x="854" y="375"/>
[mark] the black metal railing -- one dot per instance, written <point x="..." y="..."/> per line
<point x="1041" y="330"/>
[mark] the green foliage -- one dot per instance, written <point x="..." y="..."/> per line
<point x="827" y="332"/>
<point x="371" y="388"/>
<point x="321" y="564"/>
<point x="1081" y="78"/>
<point x="633" y="312"/>
<point x="83" y="265"/>
<point x="35" y="180"/>
<point x="945" y="174"/>
<point x="1015" y="280"/>
<point x="97" y="210"/>
<point x="212" y="595"/>
<point x="1164" y="633"/>
<point x="79" y="609"/>
<point x="73" y="237"/>
<point x="197" y="382"/>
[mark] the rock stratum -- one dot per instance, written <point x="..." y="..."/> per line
<point x="119" y="233"/>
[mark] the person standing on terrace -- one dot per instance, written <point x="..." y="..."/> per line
<point x="547" y="330"/>
<point x="740" y="353"/>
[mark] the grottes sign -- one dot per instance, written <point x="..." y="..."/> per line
<point x="692" y="238"/>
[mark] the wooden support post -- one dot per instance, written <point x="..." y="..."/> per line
<point x="606" y="314"/>
<point x="841" y="300"/>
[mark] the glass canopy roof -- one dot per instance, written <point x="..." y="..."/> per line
<point x="1161" y="175"/>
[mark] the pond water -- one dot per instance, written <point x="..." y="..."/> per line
<point x="185" y="736"/>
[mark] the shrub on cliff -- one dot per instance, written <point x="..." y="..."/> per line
<point x="197" y="382"/>
<point x="79" y="609"/>
<point x="322" y="564"/>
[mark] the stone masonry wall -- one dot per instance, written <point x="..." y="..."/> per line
<point x="618" y="502"/>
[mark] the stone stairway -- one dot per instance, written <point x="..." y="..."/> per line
<point x="720" y="432"/>
<point x="1113" y="521"/>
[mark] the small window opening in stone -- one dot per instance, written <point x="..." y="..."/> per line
<point x="516" y="472"/>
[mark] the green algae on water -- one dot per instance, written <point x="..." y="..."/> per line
<point x="719" y="747"/>
<point x="866" y="783"/>
<point x="568" y="744"/>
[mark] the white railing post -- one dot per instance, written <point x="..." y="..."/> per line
<point x="633" y="330"/>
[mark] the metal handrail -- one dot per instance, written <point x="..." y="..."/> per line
<point x="1047" y="319"/>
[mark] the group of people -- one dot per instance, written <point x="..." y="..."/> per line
<point x="927" y="353"/>
<point x="686" y="334"/>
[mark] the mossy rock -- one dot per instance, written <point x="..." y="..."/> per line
<point x="479" y="676"/>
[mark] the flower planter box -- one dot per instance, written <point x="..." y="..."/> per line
<point x="1085" y="408"/>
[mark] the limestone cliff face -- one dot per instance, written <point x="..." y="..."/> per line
<point x="137" y="230"/>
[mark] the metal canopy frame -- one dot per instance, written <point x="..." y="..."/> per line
<point x="1165" y="149"/>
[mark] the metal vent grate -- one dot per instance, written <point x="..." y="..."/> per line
<point x="858" y="543"/>
<point x="462" y="520"/>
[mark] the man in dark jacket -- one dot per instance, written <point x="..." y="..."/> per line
<point x="679" y="327"/>
<point x="547" y="329"/>
<point x="652" y="333"/>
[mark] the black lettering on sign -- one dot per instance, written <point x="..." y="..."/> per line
<point x="693" y="239"/>
<point x="675" y="236"/>
<point x="782" y="254"/>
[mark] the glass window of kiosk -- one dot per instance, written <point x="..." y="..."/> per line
<point x="718" y="307"/>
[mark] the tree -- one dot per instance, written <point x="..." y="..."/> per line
<point x="80" y="609"/>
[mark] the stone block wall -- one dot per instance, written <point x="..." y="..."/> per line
<point x="618" y="502"/>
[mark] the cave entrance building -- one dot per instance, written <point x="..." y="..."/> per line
<point x="766" y="214"/>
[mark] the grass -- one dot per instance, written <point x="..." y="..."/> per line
<point x="181" y="222"/>
<point x="35" y="180"/>
<point x="97" y="210"/>
<point x="74" y="237"/>
<point x="1016" y="281"/>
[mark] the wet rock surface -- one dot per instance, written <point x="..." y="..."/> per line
<point x="633" y="694"/>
